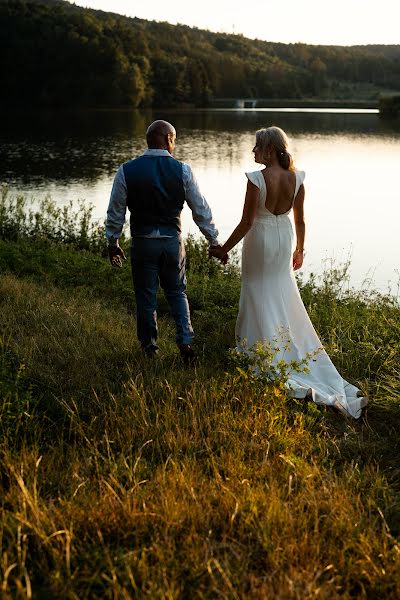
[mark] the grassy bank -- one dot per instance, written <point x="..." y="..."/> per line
<point x="123" y="478"/>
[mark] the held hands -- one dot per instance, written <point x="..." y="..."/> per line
<point x="116" y="255"/>
<point x="217" y="252"/>
<point x="298" y="256"/>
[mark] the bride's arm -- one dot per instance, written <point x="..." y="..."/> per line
<point x="300" y="226"/>
<point x="248" y="216"/>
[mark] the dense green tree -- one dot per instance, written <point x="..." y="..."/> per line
<point x="53" y="53"/>
<point x="318" y="70"/>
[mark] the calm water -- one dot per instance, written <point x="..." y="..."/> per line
<point x="351" y="160"/>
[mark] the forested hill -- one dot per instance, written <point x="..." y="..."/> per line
<point x="53" y="53"/>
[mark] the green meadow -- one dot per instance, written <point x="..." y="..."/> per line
<point x="123" y="477"/>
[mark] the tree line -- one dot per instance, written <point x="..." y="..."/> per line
<point x="55" y="54"/>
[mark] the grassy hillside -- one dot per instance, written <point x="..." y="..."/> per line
<point x="127" y="478"/>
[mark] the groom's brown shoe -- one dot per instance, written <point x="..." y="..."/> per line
<point x="151" y="351"/>
<point x="188" y="355"/>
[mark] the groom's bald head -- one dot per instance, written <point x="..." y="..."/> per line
<point x="160" y="134"/>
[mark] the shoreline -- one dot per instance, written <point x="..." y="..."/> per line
<point x="291" y="103"/>
<point x="217" y="103"/>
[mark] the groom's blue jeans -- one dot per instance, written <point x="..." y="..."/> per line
<point x="160" y="261"/>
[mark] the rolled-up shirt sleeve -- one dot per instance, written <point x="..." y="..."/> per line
<point x="116" y="208"/>
<point x="201" y="211"/>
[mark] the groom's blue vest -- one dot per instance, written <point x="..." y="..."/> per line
<point x="156" y="194"/>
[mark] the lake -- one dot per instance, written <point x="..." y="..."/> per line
<point x="351" y="159"/>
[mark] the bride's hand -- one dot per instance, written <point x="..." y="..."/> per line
<point x="217" y="252"/>
<point x="298" y="256"/>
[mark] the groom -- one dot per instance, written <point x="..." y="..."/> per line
<point x="154" y="187"/>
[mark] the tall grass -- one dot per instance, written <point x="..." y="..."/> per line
<point x="21" y="218"/>
<point x="127" y="478"/>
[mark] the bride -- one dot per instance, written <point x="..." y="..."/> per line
<point x="270" y="308"/>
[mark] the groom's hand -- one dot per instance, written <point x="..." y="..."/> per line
<point x="116" y="255"/>
<point x="216" y="252"/>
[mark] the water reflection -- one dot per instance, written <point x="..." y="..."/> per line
<point x="293" y="122"/>
<point x="67" y="146"/>
<point x="352" y="202"/>
<point x="36" y="148"/>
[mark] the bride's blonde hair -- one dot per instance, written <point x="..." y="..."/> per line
<point x="277" y="138"/>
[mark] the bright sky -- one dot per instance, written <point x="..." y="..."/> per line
<point x="339" y="22"/>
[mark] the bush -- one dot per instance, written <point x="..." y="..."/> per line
<point x="20" y="218"/>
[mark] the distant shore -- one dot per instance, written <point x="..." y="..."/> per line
<point x="291" y="103"/>
<point x="216" y="103"/>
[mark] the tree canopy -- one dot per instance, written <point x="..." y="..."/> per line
<point x="53" y="53"/>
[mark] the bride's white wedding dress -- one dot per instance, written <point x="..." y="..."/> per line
<point x="271" y="309"/>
